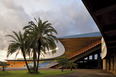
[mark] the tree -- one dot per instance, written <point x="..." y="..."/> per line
<point x="18" y="43"/>
<point x="63" y="61"/>
<point x="4" y="65"/>
<point x="42" y="38"/>
<point x="71" y="65"/>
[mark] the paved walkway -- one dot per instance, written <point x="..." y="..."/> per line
<point x="87" y="73"/>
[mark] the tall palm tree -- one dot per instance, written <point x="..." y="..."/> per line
<point x="42" y="37"/>
<point x="29" y="50"/>
<point x="18" y="43"/>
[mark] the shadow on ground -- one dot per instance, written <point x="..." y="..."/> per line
<point x="87" y="73"/>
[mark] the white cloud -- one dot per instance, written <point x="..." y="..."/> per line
<point x="68" y="17"/>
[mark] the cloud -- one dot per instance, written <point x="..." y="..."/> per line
<point x="68" y="17"/>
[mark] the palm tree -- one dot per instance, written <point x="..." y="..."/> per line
<point x="42" y="37"/>
<point x="71" y="65"/>
<point x="4" y="65"/>
<point x="63" y="62"/>
<point x="31" y="50"/>
<point x="18" y="43"/>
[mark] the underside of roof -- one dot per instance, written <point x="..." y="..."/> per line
<point x="104" y="14"/>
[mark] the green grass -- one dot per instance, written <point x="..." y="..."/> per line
<point x="25" y="74"/>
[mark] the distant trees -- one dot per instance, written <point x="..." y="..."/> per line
<point x="37" y="38"/>
<point x="64" y="63"/>
<point x="4" y="65"/>
<point x="71" y="65"/>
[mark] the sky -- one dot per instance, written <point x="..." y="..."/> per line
<point x="68" y="17"/>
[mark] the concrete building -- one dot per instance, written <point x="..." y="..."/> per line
<point x="83" y="49"/>
<point x="104" y="14"/>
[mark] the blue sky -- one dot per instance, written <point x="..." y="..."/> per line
<point x="68" y="17"/>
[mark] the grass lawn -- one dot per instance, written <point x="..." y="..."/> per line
<point x="25" y="74"/>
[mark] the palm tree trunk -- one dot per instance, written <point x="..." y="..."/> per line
<point x="34" y="61"/>
<point x="62" y="69"/>
<point x="26" y="61"/>
<point x="71" y="69"/>
<point x="39" y="43"/>
<point x="37" y="63"/>
<point x="3" y="68"/>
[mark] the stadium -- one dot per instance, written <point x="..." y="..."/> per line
<point x="83" y="49"/>
<point x="95" y="50"/>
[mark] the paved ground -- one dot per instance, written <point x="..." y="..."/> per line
<point x="87" y="73"/>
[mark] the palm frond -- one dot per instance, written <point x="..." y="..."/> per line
<point x="17" y="36"/>
<point x="28" y="27"/>
<point x="13" y="47"/>
<point x="12" y="37"/>
<point x="16" y="54"/>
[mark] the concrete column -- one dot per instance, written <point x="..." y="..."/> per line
<point x="93" y="57"/>
<point x="88" y="58"/>
<point x="107" y="62"/>
<point x="104" y="64"/>
<point x="98" y="56"/>
<point x="112" y="65"/>
<point x="115" y="64"/>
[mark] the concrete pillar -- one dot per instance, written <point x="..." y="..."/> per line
<point x="104" y="64"/>
<point x="115" y="64"/>
<point x="93" y="57"/>
<point x="112" y="65"/>
<point x="98" y="56"/>
<point x="88" y="58"/>
<point x="107" y="62"/>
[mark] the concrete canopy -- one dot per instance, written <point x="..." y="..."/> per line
<point x="104" y="14"/>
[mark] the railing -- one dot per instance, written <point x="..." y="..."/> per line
<point x="86" y="48"/>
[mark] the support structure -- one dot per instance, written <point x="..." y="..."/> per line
<point x="115" y="64"/>
<point x="107" y="63"/>
<point x="112" y="64"/>
<point x="104" y="64"/>
<point x="103" y="13"/>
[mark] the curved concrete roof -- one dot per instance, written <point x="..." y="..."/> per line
<point x="93" y="34"/>
<point x="104" y="14"/>
<point x="73" y="44"/>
